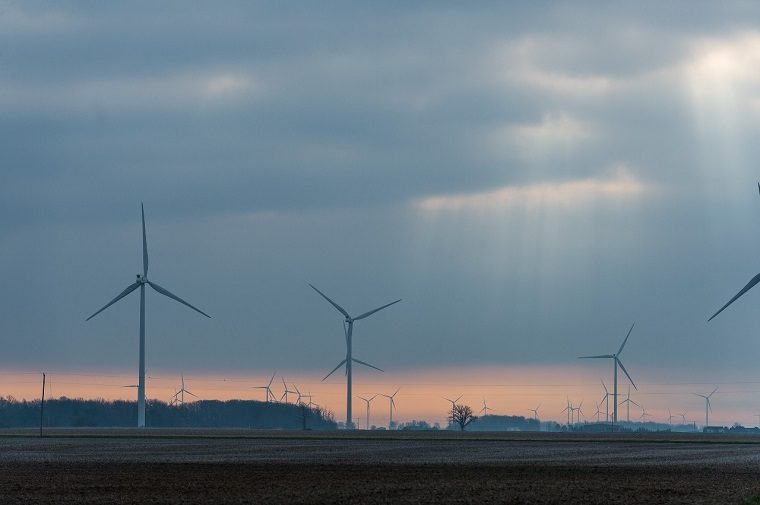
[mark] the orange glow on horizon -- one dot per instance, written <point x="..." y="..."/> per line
<point x="508" y="390"/>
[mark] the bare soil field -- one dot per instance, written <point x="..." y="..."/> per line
<point x="243" y="466"/>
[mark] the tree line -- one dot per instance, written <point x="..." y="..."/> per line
<point x="77" y="412"/>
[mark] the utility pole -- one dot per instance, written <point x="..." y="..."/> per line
<point x="42" y="403"/>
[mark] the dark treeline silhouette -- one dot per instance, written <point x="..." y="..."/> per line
<point x="501" y="423"/>
<point x="68" y="412"/>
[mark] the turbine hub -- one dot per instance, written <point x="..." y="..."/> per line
<point x="141" y="279"/>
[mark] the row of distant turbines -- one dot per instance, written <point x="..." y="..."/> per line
<point x="142" y="281"/>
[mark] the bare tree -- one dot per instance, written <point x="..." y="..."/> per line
<point x="462" y="415"/>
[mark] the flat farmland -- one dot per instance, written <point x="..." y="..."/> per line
<point x="245" y="466"/>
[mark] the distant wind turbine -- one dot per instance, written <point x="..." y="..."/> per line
<point x="349" y="359"/>
<point x="141" y="281"/>
<point x="392" y="404"/>
<point x="535" y="412"/>
<point x="606" y="400"/>
<point x="179" y="397"/>
<point x="368" y="401"/>
<point x="453" y="402"/>
<point x="569" y="410"/>
<point x="617" y="362"/>
<point x="708" y="406"/>
<point x="485" y="408"/>
<point x="268" y="389"/>
<point x="287" y="391"/>
<point x="628" y="403"/>
<point x="644" y="414"/>
<point x="598" y="412"/>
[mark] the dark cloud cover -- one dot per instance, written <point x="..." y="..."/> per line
<point x="279" y="144"/>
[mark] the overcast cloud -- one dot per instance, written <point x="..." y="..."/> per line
<point x="530" y="179"/>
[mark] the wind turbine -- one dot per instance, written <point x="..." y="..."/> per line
<point x="285" y="394"/>
<point x="268" y="389"/>
<point x="670" y="418"/>
<point x="598" y="412"/>
<point x="368" y="401"/>
<point x="644" y="414"/>
<point x="580" y="411"/>
<point x="569" y="410"/>
<point x="141" y="281"/>
<point x="746" y="288"/>
<point x="392" y="405"/>
<point x="485" y="408"/>
<point x="708" y="406"/>
<point x="298" y="394"/>
<point x="535" y="412"/>
<point x="453" y="402"/>
<point x="617" y="362"/>
<point x="683" y="418"/>
<point x="349" y="359"/>
<point x="606" y="400"/>
<point x="628" y="403"/>
<point x="180" y="395"/>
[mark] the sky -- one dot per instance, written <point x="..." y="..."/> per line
<point x="529" y="178"/>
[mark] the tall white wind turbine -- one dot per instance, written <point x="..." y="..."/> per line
<point x="349" y="359"/>
<point x="617" y="362"/>
<point x="708" y="406"/>
<point x="141" y="281"/>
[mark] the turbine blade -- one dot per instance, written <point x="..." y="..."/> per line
<point x="270" y="380"/>
<point x="121" y="295"/>
<point x="340" y="309"/>
<point x="600" y="356"/>
<point x="714" y="390"/>
<point x="626" y="373"/>
<point x="367" y="364"/>
<point x="334" y="369"/>
<point x="639" y="406"/>
<point x="626" y="338"/>
<point x="145" y="243"/>
<point x="746" y="288"/>
<point x="191" y="394"/>
<point x="175" y="297"/>
<point x="367" y="314"/>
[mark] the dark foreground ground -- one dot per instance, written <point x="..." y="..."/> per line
<point x="250" y="467"/>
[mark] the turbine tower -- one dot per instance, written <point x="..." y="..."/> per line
<point x="617" y="363"/>
<point x="349" y="359"/>
<point x="708" y="406"/>
<point x="141" y="281"/>
<point x="392" y="404"/>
